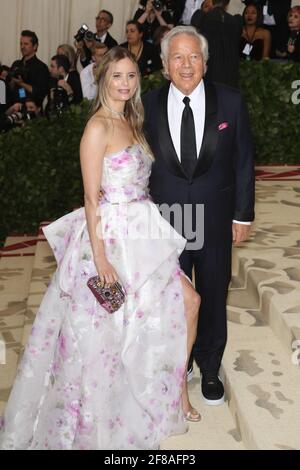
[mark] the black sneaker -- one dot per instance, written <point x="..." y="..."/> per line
<point x="212" y="389"/>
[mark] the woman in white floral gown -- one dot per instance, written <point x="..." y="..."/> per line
<point x="89" y="379"/>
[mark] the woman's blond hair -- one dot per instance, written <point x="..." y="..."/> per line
<point x="70" y="53"/>
<point x="134" y="110"/>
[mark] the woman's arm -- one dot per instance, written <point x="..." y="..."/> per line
<point x="92" y="150"/>
<point x="143" y="17"/>
<point x="267" y="45"/>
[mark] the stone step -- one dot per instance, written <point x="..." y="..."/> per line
<point x="262" y="384"/>
<point x="261" y="360"/>
<point x="265" y="287"/>
<point x="16" y="264"/>
<point x="216" y="431"/>
<point x="263" y="293"/>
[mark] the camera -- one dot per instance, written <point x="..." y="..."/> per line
<point x="23" y="115"/>
<point x="84" y="33"/>
<point x="58" y="100"/>
<point x="15" y="119"/>
<point x="157" y="5"/>
<point x="89" y="36"/>
<point x="18" y="71"/>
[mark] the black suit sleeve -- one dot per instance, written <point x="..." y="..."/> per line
<point x="40" y="83"/>
<point x="244" y="167"/>
<point x="75" y="84"/>
<point x="110" y="41"/>
<point x="196" y="19"/>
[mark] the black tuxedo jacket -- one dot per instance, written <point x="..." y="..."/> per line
<point x="223" y="33"/>
<point x="223" y="179"/>
<point x="110" y="41"/>
<point x="178" y="7"/>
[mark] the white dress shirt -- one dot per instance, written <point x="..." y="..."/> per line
<point x="89" y="89"/>
<point x="269" y="20"/>
<point x="175" y="110"/>
<point x="101" y="38"/>
<point x="190" y="7"/>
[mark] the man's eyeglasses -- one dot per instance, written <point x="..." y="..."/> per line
<point x="101" y="18"/>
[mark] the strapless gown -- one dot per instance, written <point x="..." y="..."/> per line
<point x="93" y="380"/>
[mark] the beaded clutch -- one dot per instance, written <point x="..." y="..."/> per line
<point x="110" y="298"/>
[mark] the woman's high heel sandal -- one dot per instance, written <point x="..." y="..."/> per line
<point x="192" y="415"/>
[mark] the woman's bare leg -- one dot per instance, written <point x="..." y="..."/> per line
<point x="192" y="302"/>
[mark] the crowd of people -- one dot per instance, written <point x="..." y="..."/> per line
<point x="267" y="29"/>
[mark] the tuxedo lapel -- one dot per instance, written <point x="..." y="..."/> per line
<point x="210" y="136"/>
<point x="167" y="148"/>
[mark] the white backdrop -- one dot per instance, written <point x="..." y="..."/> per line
<point x="56" y="22"/>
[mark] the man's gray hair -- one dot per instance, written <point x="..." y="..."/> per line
<point x="165" y="44"/>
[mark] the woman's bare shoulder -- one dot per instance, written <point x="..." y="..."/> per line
<point x="97" y="123"/>
<point x="263" y="33"/>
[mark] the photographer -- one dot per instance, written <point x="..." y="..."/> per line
<point x="18" y="114"/>
<point x="152" y="14"/>
<point x="104" y="21"/>
<point x="28" y="76"/>
<point x="67" y="81"/>
<point x="89" y="73"/>
<point x="85" y="39"/>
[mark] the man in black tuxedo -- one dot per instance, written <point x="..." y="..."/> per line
<point x="199" y="134"/>
<point x="104" y="21"/>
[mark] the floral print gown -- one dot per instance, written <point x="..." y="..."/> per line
<point x="93" y="380"/>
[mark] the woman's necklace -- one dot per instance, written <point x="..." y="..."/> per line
<point x="138" y="54"/>
<point x="250" y="40"/>
<point x="117" y="113"/>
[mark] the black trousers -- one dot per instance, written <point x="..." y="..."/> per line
<point x="212" y="268"/>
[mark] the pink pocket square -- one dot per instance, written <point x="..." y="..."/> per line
<point x="222" y="126"/>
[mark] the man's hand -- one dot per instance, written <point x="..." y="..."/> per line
<point x="63" y="84"/>
<point x="79" y="45"/>
<point x="15" y="108"/>
<point x="18" y="81"/>
<point x="240" y="232"/>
